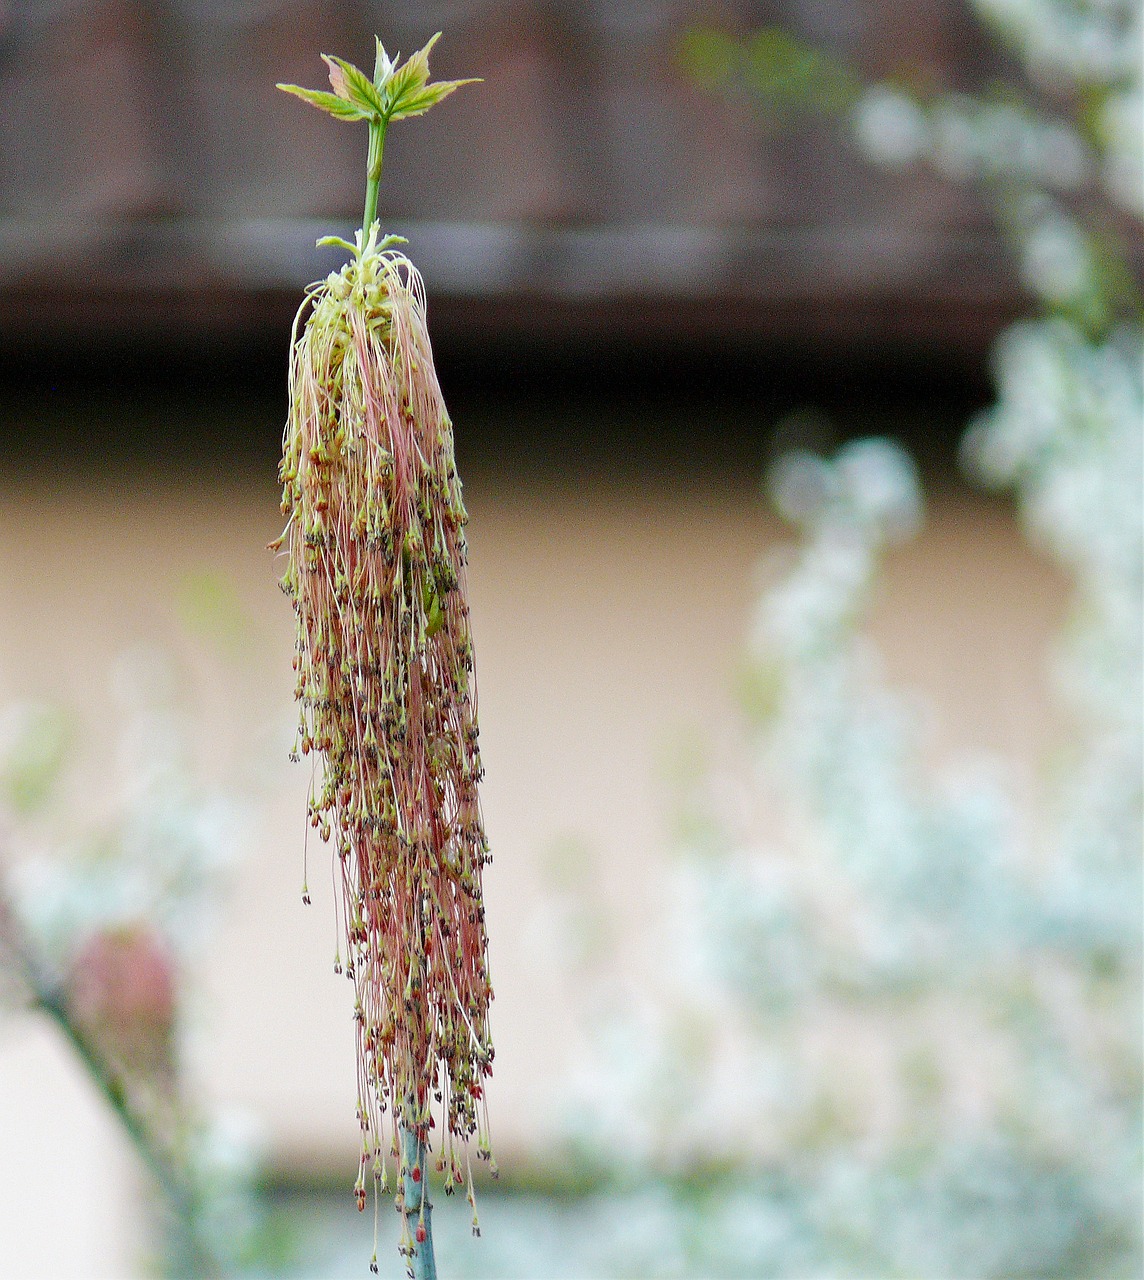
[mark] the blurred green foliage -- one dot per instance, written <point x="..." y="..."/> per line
<point x="781" y="74"/>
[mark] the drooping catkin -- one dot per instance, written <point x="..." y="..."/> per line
<point x="376" y="559"/>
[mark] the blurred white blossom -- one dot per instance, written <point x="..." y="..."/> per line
<point x="1122" y="129"/>
<point x="904" y="1011"/>
<point x="890" y="127"/>
<point x="1062" y="42"/>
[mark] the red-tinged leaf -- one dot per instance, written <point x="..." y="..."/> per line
<point x="354" y="86"/>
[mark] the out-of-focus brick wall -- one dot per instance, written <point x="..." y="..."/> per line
<point x="151" y="176"/>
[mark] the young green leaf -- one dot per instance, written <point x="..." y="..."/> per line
<point x="383" y="65"/>
<point x="408" y="91"/>
<point x="339" y="108"/>
<point x="412" y="75"/>
<point x="354" y="86"/>
<point x="417" y="103"/>
<point x="396" y="92"/>
<point x="335" y="242"/>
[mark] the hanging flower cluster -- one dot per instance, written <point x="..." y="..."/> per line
<point x="376" y="570"/>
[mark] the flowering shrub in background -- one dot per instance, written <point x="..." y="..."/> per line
<point x="903" y="1032"/>
<point x="102" y="933"/>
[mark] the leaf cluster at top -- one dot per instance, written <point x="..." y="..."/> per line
<point x="396" y="90"/>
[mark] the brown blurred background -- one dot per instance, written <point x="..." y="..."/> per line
<point x="155" y="188"/>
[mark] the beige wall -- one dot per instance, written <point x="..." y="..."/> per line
<point x="607" y="625"/>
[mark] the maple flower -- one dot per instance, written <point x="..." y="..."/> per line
<point x="376" y="561"/>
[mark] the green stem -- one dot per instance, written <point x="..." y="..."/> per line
<point x="377" y="130"/>
<point x="175" y="1188"/>
<point x="416" y="1206"/>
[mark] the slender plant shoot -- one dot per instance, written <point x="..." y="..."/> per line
<point x="375" y="551"/>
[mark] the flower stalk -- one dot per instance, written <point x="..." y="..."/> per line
<point x="376" y="564"/>
<point x="415" y="1207"/>
<point x="377" y="130"/>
